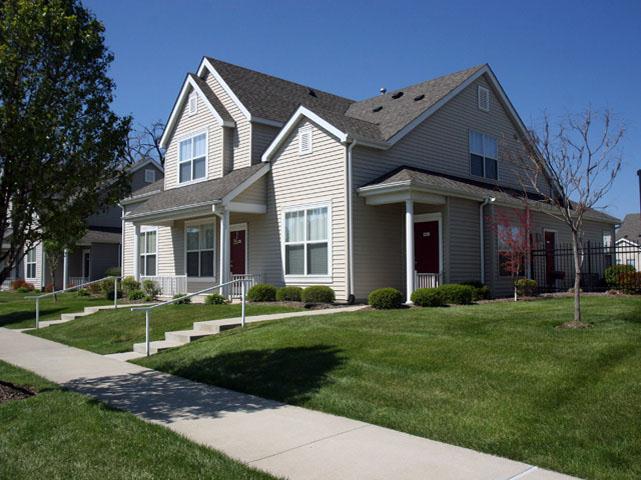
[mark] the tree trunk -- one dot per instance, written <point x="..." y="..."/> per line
<point x="576" y="250"/>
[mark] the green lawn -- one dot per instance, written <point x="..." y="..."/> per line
<point x="60" y="434"/>
<point x="16" y="311"/>
<point x="113" y="331"/>
<point x="498" y="377"/>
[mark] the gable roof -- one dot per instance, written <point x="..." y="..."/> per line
<point x="143" y="162"/>
<point x="630" y="229"/>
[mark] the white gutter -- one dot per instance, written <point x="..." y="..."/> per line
<point x="486" y="201"/>
<point x="350" y="235"/>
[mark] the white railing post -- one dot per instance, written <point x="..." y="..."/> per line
<point x="116" y="292"/>
<point x="147" y="313"/>
<point x="37" y="313"/>
<point x="242" y="300"/>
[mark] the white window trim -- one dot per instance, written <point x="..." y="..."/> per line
<point x="193" y="96"/>
<point x="308" y="279"/>
<point x="192" y="223"/>
<point x="178" y="142"/>
<point x="434" y="217"/>
<point x="150" y="172"/>
<point x="469" y="153"/>
<point x="485" y="91"/>
<point x="305" y="130"/>
<point x="236" y="227"/>
<point x="34" y="263"/>
<point x="607" y="233"/>
<point x="143" y="230"/>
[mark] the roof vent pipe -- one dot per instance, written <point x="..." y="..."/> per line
<point x="383" y="90"/>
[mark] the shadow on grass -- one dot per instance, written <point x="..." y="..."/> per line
<point x="289" y="375"/>
<point x="19" y="316"/>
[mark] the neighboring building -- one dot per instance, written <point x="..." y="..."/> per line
<point x="98" y="250"/>
<point x="628" y="241"/>
<point x="288" y="184"/>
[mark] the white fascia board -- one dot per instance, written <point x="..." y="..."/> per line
<point x="206" y="65"/>
<point x="241" y="187"/>
<point x="291" y="123"/>
<point x="266" y="121"/>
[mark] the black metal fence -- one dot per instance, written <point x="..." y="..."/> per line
<point x="553" y="267"/>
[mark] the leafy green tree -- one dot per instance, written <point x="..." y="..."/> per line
<point x="62" y="148"/>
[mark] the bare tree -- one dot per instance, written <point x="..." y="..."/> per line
<point x="144" y="142"/>
<point x="572" y="166"/>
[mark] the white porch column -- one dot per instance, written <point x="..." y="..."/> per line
<point x="224" y="249"/>
<point x="65" y="269"/>
<point x="136" y="250"/>
<point x="409" y="248"/>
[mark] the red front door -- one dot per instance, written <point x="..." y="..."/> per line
<point x="237" y="252"/>
<point x="426" y="248"/>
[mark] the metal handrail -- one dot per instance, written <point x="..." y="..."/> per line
<point x="38" y="297"/>
<point x="148" y="309"/>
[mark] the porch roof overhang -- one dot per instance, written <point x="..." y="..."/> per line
<point x="198" y="199"/>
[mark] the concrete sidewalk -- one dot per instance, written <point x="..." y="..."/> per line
<point x="283" y="440"/>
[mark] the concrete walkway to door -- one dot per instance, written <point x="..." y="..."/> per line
<point x="283" y="440"/>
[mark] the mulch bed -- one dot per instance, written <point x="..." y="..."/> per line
<point x="9" y="391"/>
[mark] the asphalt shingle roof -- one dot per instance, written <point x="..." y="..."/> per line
<point x="213" y="99"/>
<point x="100" y="236"/>
<point x="209" y="191"/>
<point x="630" y="228"/>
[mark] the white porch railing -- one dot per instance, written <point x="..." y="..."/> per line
<point x="169" y="285"/>
<point x="75" y="281"/>
<point x="251" y="279"/>
<point x="427" y="280"/>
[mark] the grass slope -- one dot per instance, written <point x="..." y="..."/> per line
<point x="113" y="331"/>
<point x="60" y="434"/>
<point x="16" y="311"/>
<point x="499" y="377"/>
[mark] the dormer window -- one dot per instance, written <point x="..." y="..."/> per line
<point x="150" y="176"/>
<point x="305" y="140"/>
<point x="484" y="99"/>
<point x="192" y="158"/>
<point x="193" y="103"/>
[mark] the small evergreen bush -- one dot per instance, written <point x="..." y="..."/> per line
<point x="457" y="294"/>
<point x="262" y="292"/>
<point x="183" y="301"/>
<point x="385" y="299"/>
<point x="428" y="297"/>
<point x="215" y="299"/>
<point x="128" y="284"/>
<point x="526" y="287"/>
<point x="289" y="294"/>
<point x="112" y="272"/>
<point x="150" y="288"/>
<point x="613" y="275"/>
<point x="135" y="294"/>
<point x="481" y="291"/>
<point x="318" y="294"/>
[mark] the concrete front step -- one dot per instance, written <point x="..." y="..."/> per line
<point x="155" y="347"/>
<point x="186" y="336"/>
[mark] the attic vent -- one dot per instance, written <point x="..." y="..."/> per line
<point x="305" y="140"/>
<point x="419" y="97"/>
<point x="397" y="95"/>
<point x="311" y="92"/>
<point x="484" y="99"/>
<point x="377" y="109"/>
<point x="193" y="103"/>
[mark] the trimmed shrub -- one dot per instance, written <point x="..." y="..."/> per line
<point x="457" y="294"/>
<point x="428" y="297"/>
<point x="135" y="294"/>
<point x="215" y="299"/>
<point x="19" y="282"/>
<point x="289" y="294"/>
<point x="262" y="292"/>
<point x="481" y="291"/>
<point x="128" y="284"/>
<point x="112" y="272"/>
<point x="318" y="294"/>
<point x="150" y="288"/>
<point x="82" y="292"/>
<point x="22" y="289"/>
<point x="107" y="288"/>
<point x="184" y="301"/>
<point x="526" y="287"/>
<point x="385" y="299"/>
<point x="94" y="288"/>
<point x="630" y="282"/>
<point x="613" y="275"/>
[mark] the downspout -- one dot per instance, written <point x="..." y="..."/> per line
<point x="350" y="244"/>
<point x="486" y="201"/>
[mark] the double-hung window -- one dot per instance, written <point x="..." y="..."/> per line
<point x="192" y="158"/>
<point x="483" y="155"/>
<point x="307" y="241"/>
<point x="200" y="250"/>
<point x="147" y="247"/>
<point x="31" y="264"/>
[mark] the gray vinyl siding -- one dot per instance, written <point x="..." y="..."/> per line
<point x="188" y="125"/>
<point x="102" y="257"/>
<point x="295" y="181"/>
<point x="138" y="177"/>
<point x="464" y="240"/>
<point x="241" y="141"/>
<point x="262" y="137"/>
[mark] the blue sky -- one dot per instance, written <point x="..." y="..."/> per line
<point x="555" y="56"/>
